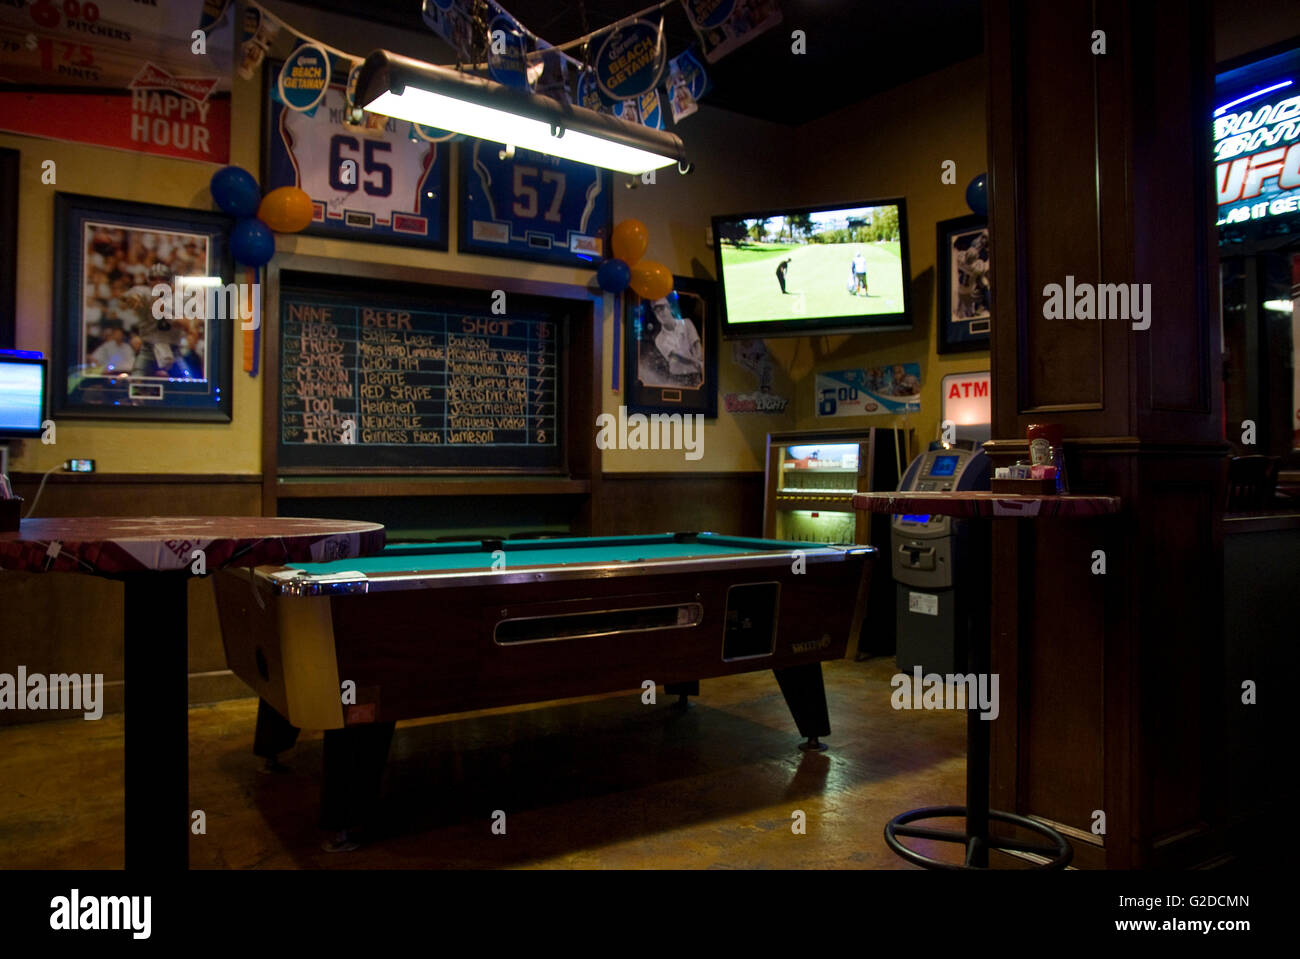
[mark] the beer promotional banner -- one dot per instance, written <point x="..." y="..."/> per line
<point x="878" y="391"/>
<point x="119" y="73"/>
<point x="725" y="25"/>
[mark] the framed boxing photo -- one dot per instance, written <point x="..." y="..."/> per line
<point x="964" y="264"/>
<point x="670" y="350"/>
<point x="145" y="311"/>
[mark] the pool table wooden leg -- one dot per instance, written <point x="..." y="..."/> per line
<point x="354" y="762"/>
<point x="274" y="735"/>
<point x="805" y="694"/>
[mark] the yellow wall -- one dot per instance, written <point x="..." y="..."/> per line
<point x="894" y="145"/>
<point x="889" y="145"/>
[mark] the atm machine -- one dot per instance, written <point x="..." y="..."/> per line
<point x="929" y="555"/>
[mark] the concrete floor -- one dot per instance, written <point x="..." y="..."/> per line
<point x="597" y="783"/>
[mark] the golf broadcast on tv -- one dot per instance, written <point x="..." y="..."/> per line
<point x="837" y="266"/>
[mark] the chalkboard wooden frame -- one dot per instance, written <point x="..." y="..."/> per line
<point x="579" y="364"/>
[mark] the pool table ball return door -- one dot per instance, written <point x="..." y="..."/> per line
<point x="431" y="629"/>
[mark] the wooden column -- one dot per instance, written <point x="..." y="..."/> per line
<point x="1112" y="685"/>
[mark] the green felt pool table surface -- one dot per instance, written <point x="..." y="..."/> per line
<point x="475" y="555"/>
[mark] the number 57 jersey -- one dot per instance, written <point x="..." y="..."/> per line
<point x="532" y="206"/>
<point x="366" y="181"/>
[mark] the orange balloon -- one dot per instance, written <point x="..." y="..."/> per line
<point x="651" y="280"/>
<point x="629" y="241"/>
<point x="286" y="209"/>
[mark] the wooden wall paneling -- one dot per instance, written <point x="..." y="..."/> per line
<point x="1112" y="672"/>
<point x="730" y="503"/>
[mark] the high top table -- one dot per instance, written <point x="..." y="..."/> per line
<point x="979" y="508"/>
<point x="154" y="557"/>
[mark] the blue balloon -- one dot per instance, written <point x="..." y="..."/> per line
<point x="614" y="276"/>
<point x="977" y="195"/>
<point x="235" y="191"/>
<point x="252" y="242"/>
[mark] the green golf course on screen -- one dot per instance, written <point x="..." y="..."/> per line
<point x="843" y="266"/>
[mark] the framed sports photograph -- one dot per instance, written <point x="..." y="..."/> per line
<point x="965" y="267"/>
<point x="381" y="179"/>
<point x="532" y="206"/>
<point x="145" y="311"/>
<point x="670" y="350"/>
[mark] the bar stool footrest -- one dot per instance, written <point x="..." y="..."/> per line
<point x="1058" y="854"/>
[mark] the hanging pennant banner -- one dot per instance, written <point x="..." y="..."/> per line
<point x="259" y="31"/>
<point x="450" y="20"/>
<point x="213" y="12"/>
<point x="648" y="106"/>
<point x="725" y="25"/>
<point x="304" y="78"/>
<point x="549" y="75"/>
<point x="589" y="94"/>
<point x="506" y="64"/>
<point x="631" y="60"/>
<point x="687" y="84"/>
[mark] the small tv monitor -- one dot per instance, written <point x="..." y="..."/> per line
<point x="833" y="268"/>
<point x="22" y="395"/>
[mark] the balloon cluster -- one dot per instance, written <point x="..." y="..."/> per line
<point x="258" y="218"/>
<point x="650" y="280"/>
<point x="977" y="195"/>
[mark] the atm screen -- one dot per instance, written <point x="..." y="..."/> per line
<point x="943" y="466"/>
<point x="914" y="518"/>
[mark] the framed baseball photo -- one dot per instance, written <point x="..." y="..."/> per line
<point x="670" y="350"/>
<point x="145" y="311"/>
<point x="369" y="176"/>
<point x="965" y="278"/>
<point x="531" y="206"/>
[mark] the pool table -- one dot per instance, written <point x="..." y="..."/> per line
<point x="423" y="629"/>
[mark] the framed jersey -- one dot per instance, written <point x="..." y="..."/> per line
<point x="532" y="206"/>
<point x="380" y="180"/>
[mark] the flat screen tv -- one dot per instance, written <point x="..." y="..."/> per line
<point x="833" y="268"/>
<point x="22" y="395"/>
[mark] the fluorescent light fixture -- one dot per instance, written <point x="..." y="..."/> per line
<point x="397" y="86"/>
<point x="1279" y="306"/>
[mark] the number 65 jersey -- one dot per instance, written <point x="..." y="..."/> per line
<point x="366" y="181"/>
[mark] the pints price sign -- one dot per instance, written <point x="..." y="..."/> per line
<point x="1256" y="134"/>
<point x="152" y="76"/>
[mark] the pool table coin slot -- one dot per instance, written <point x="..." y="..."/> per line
<point x="750" y="623"/>
<point x="592" y="623"/>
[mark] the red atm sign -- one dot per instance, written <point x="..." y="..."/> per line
<point x="966" y="399"/>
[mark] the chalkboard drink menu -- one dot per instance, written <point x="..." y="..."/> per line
<point x="381" y="379"/>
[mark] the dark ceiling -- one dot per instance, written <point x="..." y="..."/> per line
<point x="854" y="50"/>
